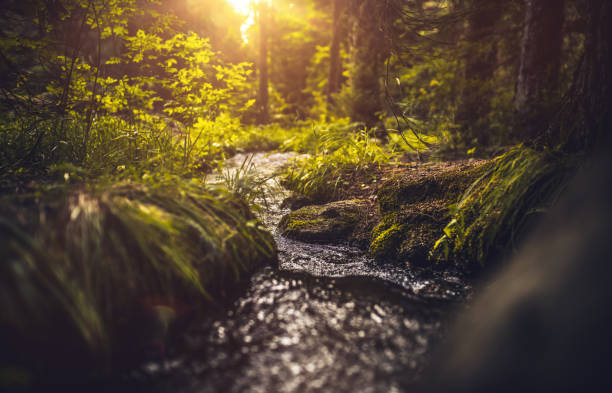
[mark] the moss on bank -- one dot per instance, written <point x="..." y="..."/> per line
<point x="498" y="207"/>
<point x="84" y="274"/>
<point x="447" y="185"/>
<point x="414" y="210"/>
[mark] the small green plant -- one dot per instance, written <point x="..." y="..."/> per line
<point x="246" y="183"/>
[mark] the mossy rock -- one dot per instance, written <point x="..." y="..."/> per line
<point x="408" y="234"/>
<point x="386" y="238"/>
<point x="330" y="223"/>
<point x="296" y="201"/>
<point x="414" y="211"/>
<point x="447" y="185"/>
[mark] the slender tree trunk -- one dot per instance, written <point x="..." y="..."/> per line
<point x="585" y="118"/>
<point x="480" y="64"/>
<point x="366" y="63"/>
<point x="263" y="95"/>
<point x="538" y="78"/>
<point x="335" y="65"/>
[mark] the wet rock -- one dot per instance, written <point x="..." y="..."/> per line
<point x="330" y="223"/>
<point x="414" y="211"/>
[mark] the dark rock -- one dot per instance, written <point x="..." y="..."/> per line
<point x="414" y="212"/>
<point x="330" y="223"/>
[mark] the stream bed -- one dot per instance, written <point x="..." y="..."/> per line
<point x="326" y="319"/>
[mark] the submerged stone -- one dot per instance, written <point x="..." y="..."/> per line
<point x="329" y="223"/>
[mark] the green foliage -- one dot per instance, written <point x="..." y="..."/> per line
<point x="320" y="137"/>
<point x="318" y="78"/>
<point x="294" y="37"/>
<point x="150" y="106"/>
<point x="408" y="142"/>
<point x="336" y="158"/>
<point x="495" y="211"/>
<point x="338" y="152"/>
<point x="79" y="264"/>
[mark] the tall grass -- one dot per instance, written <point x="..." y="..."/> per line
<point x="246" y="183"/>
<point x="496" y="210"/>
<point x="31" y="148"/>
<point x="77" y="267"/>
<point x="338" y="156"/>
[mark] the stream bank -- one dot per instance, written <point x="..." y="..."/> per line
<point x="397" y="214"/>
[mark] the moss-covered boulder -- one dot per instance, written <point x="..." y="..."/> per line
<point x="91" y="279"/>
<point x="414" y="210"/>
<point x="330" y="223"/>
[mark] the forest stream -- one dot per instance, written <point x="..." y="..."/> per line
<point x="428" y="208"/>
<point x="326" y="319"/>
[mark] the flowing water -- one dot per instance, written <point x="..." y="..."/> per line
<point x="326" y="319"/>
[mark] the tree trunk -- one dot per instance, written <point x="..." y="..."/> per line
<point x="538" y="77"/>
<point x="366" y="64"/>
<point x="480" y="64"/>
<point x="584" y="120"/>
<point x="263" y="95"/>
<point x="335" y="66"/>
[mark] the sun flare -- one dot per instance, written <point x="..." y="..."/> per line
<point x="246" y="8"/>
<point x="241" y="6"/>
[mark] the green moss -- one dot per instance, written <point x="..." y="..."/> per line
<point x="386" y="240"/>
<point x="448" y="185"/>
<point x="413" y="212"/>
<point x="295" y="225"/>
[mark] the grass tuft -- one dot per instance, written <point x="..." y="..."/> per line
<point x="80" y="266"/>
<point x="338" y="157"/>
<point x="497" y="208"/>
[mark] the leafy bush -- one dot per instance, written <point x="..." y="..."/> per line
<point x="162" y="102"/>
